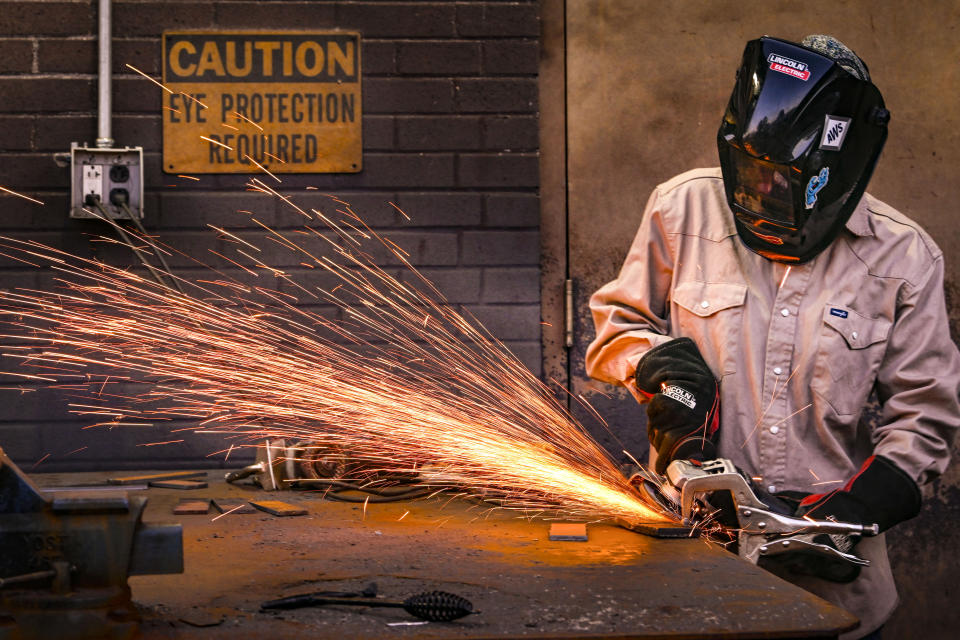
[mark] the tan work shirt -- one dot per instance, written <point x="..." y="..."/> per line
<point x="797" y="349"/>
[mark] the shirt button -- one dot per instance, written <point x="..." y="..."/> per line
<point x="704" y="304"/>
<point x="777" y="370"/>
<point x="785" y="312"/>
<point x="774" y="429"/>
<point x="772" y="488"/>
<point x="854" y="335"/>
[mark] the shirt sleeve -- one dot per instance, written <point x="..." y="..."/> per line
<point x="631" y="314"/>
<point x="918" y="382"/>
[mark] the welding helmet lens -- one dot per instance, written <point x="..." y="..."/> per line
<point x="762" y="191"/>
<point x="799" y="140"/>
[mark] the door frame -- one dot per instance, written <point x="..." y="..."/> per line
<point x="555" y="300"/>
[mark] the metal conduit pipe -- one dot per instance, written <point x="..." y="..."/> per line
<point x="105" y="105"/>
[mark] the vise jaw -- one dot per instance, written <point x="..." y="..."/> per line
<point x="65" y="558"/>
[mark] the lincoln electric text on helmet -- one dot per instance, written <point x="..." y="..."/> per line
<point x="798" y="143"/>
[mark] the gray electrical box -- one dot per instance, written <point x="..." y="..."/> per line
<point x="111" y="177"/>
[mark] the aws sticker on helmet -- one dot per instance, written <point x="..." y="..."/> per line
<point x="816" y="183"/>
<point x="789" y="66"/>
<point x="834" y="132"/>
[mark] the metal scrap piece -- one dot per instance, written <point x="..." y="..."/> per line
<point x="192" y="506"/>
<point x="156" y="476"/>
<point x="184" y="485"/>
<point x="232" y="505"/>
<point x="278" y="508"/>
<point x="568" y="531"/>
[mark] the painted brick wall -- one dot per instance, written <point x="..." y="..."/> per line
<point x="449" y="134"/>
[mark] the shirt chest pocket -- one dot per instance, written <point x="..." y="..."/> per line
<point x="848" y="356"/>
<point x="711" y="313"/>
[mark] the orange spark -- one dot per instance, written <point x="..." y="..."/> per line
<point x="226" y="513"/>
<point x="240" y="116"/>
<point x="230" y="235"/>
<point x="133" y="68"/>
<point x="402" y="212"/>
<point x="20" y="195"/>
<point x="784" y="280"/>
<point x="262" y="168"/>
<point x="441" y="398"/>
<point x="216" y="142"/>
<point x="776" y="393"/>
<point x="156" y="444"/>
<point x="194" y="99"/>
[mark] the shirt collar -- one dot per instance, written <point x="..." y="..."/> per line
<point x="859" y="222"/>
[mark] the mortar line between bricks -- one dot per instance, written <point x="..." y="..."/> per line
<point x="74" y="38"/>
<point x="434" y="40"/>
<point x="33" y="133"/>
<point x="444" y="75"/>
<point x="35" y="50"/>
<point x="46" y="75"/>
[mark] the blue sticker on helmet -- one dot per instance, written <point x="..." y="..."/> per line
<point x="816" y="183"/>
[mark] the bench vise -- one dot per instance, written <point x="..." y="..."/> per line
<point x="65" y="558"/>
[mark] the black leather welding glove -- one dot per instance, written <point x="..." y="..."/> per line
<point x="684" y="409"/>
<point x="880" y="493"/>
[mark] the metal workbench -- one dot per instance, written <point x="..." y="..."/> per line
<point x="618" y="584"/>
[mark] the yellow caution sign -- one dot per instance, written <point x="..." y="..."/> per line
<point x="239" y="102"/>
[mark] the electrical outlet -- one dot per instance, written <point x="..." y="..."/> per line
<point x="92" y="184"/>
<point x="112" y="177"/>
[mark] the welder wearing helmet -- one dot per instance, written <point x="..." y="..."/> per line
<point x="763" y="305"/>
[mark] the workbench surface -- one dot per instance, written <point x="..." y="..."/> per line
<point x="618" y="584"/>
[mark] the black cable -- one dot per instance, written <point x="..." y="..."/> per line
<point x="349" y="486"/>
<point x="374" y="494"/>
<point x="410" y="495"/>
<point x="156" y="250"/>
<point x="127" y="241"/>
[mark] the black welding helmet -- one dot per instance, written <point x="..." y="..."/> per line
<point x="800" y="138"/>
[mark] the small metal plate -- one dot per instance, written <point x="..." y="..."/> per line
<point x="232" y="505"/>
<point x="178" y="484"/>
<point x="191" y="506"/>
<point x="278" y="508"/>
<point x="157" y="476"/>
<point x="568" y="531"/>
